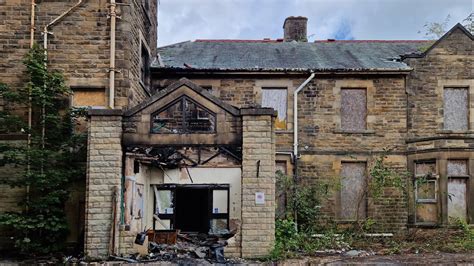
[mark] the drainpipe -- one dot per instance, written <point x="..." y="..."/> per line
<point x="54" y="21"/>
<point x="295" y="115"/>
<point x="30" y="108"/>
<point x="32" y="23"/>
<point x="45" y="47"/>
<point x="113" y="19"/>
<point x="295" y="138"/>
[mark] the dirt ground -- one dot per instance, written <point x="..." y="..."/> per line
<point x="402" y="259"/>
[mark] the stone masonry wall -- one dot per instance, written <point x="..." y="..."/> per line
<point x="449" y="63"/>
<point x="79" y="46"/>
<point x="104" y="172"/>
<point x="138" y="27"/>
<point x="258" y="175"/>
<point x="321" y="141"/>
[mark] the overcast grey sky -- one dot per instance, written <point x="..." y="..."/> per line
<point x="182" y="20"/>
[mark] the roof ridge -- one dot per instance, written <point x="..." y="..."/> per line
<point x="389" y="41"/>
<point x="238" y="40"/>
<point x="316" y="41"/>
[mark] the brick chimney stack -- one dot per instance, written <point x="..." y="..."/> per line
<point x="295" y="29"/>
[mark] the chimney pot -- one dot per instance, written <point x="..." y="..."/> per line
<point x="295" y="29"/>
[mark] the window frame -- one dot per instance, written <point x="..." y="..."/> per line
<point x="183" y="121"/>
<point x="145" y="77"/>
<point x="434" y="178"/>
<point x="172" y="217"/>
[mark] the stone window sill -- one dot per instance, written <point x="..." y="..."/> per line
<point x="284" y="131"/>
<point x="445" y="131"/>
<point x="362" y="132"/>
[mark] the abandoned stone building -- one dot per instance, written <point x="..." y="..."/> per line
<point x="80" y="44"/>
<point x="189" y="136"/>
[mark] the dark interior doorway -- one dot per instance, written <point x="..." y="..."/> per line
<point x="192" y="215"/>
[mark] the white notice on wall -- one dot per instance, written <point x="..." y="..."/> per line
<point x="259" y="198"/>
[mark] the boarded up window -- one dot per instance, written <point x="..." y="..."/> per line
<point x="425" y="169"/>
<point x="426" y="191"/>
<point x="457" y="189"/>
<point x="280" y="193"/>
<point x="353" y="198"/>
<point x="457" y="168"/>
<point x="88" y="97"/>
<point x="276" y="98"/>
<point x="456" y="109"/>
<point x="353" y="109"/>
<point x="457" y="201"/>
<point x="184" y="116"/>
<point x="427" y="213"/>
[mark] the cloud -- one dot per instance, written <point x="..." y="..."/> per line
<point x="344" y="31"/>
<point x="181" y="20"/>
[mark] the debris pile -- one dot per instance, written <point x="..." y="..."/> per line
<point x="188" y="249"/>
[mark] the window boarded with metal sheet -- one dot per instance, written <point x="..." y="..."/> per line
<point x="457" y="189"/>
<point x="456" y="109"/>
<point x="353" y="109"/>
<point x="276" y="98"/>
<point x="353" y="188"/>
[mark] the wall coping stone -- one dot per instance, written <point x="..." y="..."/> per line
<point x="105" y="112"/>
<point x="258" y="111"/>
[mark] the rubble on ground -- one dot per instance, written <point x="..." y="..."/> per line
<point x="188" y="249"/>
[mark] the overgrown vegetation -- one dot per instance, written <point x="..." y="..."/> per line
<point x="46" y="166"/>
<point x="435" y="30"/>
<point x="314" y="232"/>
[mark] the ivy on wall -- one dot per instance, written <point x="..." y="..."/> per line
<point x="54" y="156"/>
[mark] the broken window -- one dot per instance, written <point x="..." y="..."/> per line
<point x="276" y="98"/>
<point x="353" y="191"/>
<point x="353" y="109"/>
<point x="426" y="191"/>
<point x="458" y="176"/>
<point x="145" y="67"/>
<point x="163" y="214"/>
<point x="220" y="211"/>
<point x="183" y="116"/>
<point x="456" y="108"/>
<point x="192" y="208"/>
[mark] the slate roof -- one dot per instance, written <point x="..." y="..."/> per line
<point x="276" y="55"/>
